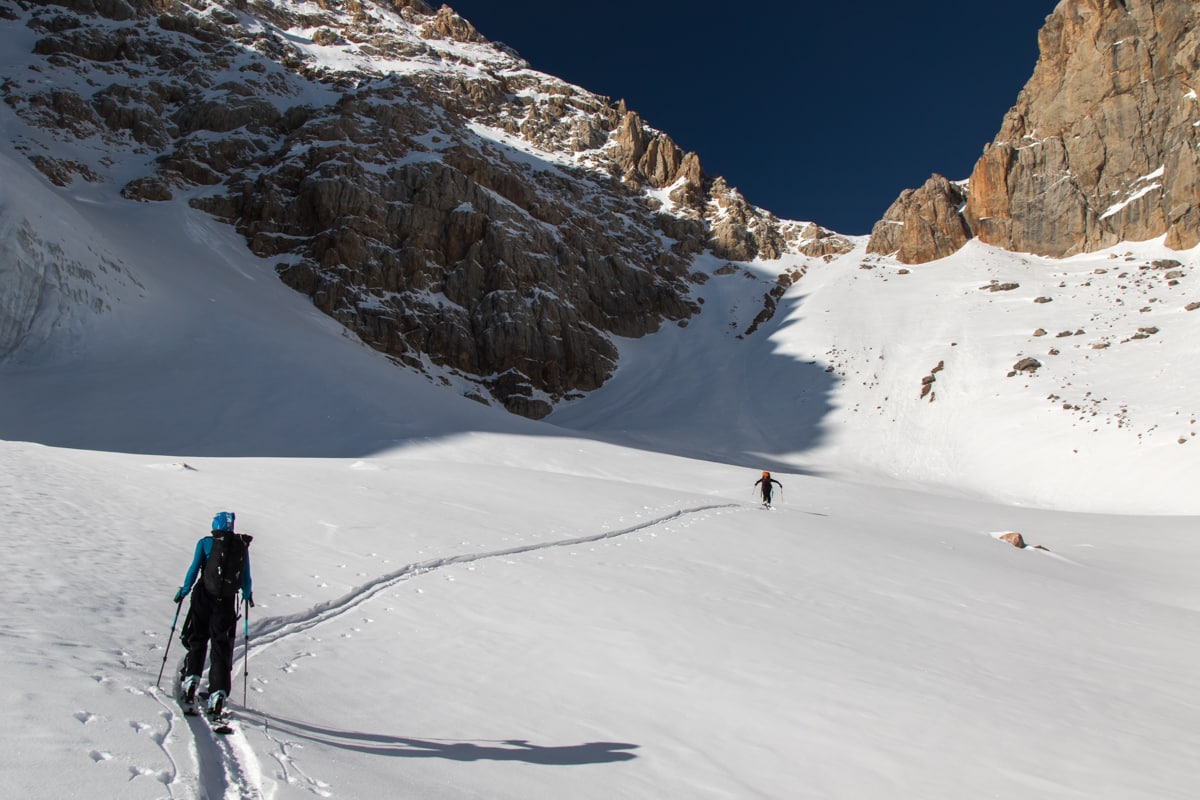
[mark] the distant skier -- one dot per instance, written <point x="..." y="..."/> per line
<point x="766" y="480"/>
<point x="222" y="565"/>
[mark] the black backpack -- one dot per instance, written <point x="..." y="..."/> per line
<point x="226" y="563"/>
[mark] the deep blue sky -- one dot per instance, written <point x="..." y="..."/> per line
<point x="815" y="111"/>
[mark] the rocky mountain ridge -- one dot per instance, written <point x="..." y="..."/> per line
<point x="1100" y="146"/>
<point x="495" y="227"/>
<point x="466" y="215"/>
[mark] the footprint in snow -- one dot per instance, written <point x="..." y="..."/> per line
<point x="99" y="755"/>
<point x="158" y="775"/>
<point x="84" y="716"/>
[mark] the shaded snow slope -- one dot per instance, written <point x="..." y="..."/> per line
<point x="188" y="344"/>
<point x="54" y="280"/>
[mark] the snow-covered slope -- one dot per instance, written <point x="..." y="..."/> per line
<point x="505" y="617"/>
<point x="1103" y="418"/>
<point x="879" y="371"/>
<point x="172" y="338"/>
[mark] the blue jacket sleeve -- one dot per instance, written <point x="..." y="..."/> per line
<point x="203" y="549"/>
<point x="247" y="584"/>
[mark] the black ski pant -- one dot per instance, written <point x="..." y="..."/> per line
<point x="210" y="628"/>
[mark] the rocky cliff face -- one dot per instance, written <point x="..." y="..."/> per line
<point x="1100" y="147"/>
<point x="468" y="216"/>
<point x="923" y="224"/>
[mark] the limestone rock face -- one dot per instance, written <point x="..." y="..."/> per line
<point x="446" y="24"/>
<point x="923" y="224"/>
<point x="815" y="241"/>
<point x="484" y="223"/>
<point x="1101" y="144"/>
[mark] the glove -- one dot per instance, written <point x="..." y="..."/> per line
<point x="250" y="599"/>
<point x="179" y="595"/>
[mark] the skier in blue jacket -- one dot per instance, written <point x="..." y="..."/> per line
<point x="213" y="615"/>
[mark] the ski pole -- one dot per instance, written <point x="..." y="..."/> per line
<point x="178" y="605"/>
<point x="245" y="652"/>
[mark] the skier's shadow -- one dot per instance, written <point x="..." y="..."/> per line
<point x="487" y="750"/>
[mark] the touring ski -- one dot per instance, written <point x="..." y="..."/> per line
<point x="220" y="723"/>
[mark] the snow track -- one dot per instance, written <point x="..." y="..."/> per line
<point x="226" y="767"/>
<point x="275" y="628"/>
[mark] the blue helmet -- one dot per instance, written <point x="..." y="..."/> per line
<point x="223" y="521"/>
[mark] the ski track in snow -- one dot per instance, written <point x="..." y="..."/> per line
<point x="273" y="629"/>
<point x="227" y="767"/>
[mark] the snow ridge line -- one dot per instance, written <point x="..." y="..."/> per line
<point x="273" y="629"/>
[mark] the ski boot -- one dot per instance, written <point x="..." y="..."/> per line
<point x="216" y="704"/>
<point x="188" y="688"/>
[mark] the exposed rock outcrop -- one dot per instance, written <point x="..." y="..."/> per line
<point x="817" y="242"/>
<point x="466" y="215"/>
<point x="923" y="224"/>
<point x="1100" y="146"/>
<point x="447" y="24"/>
